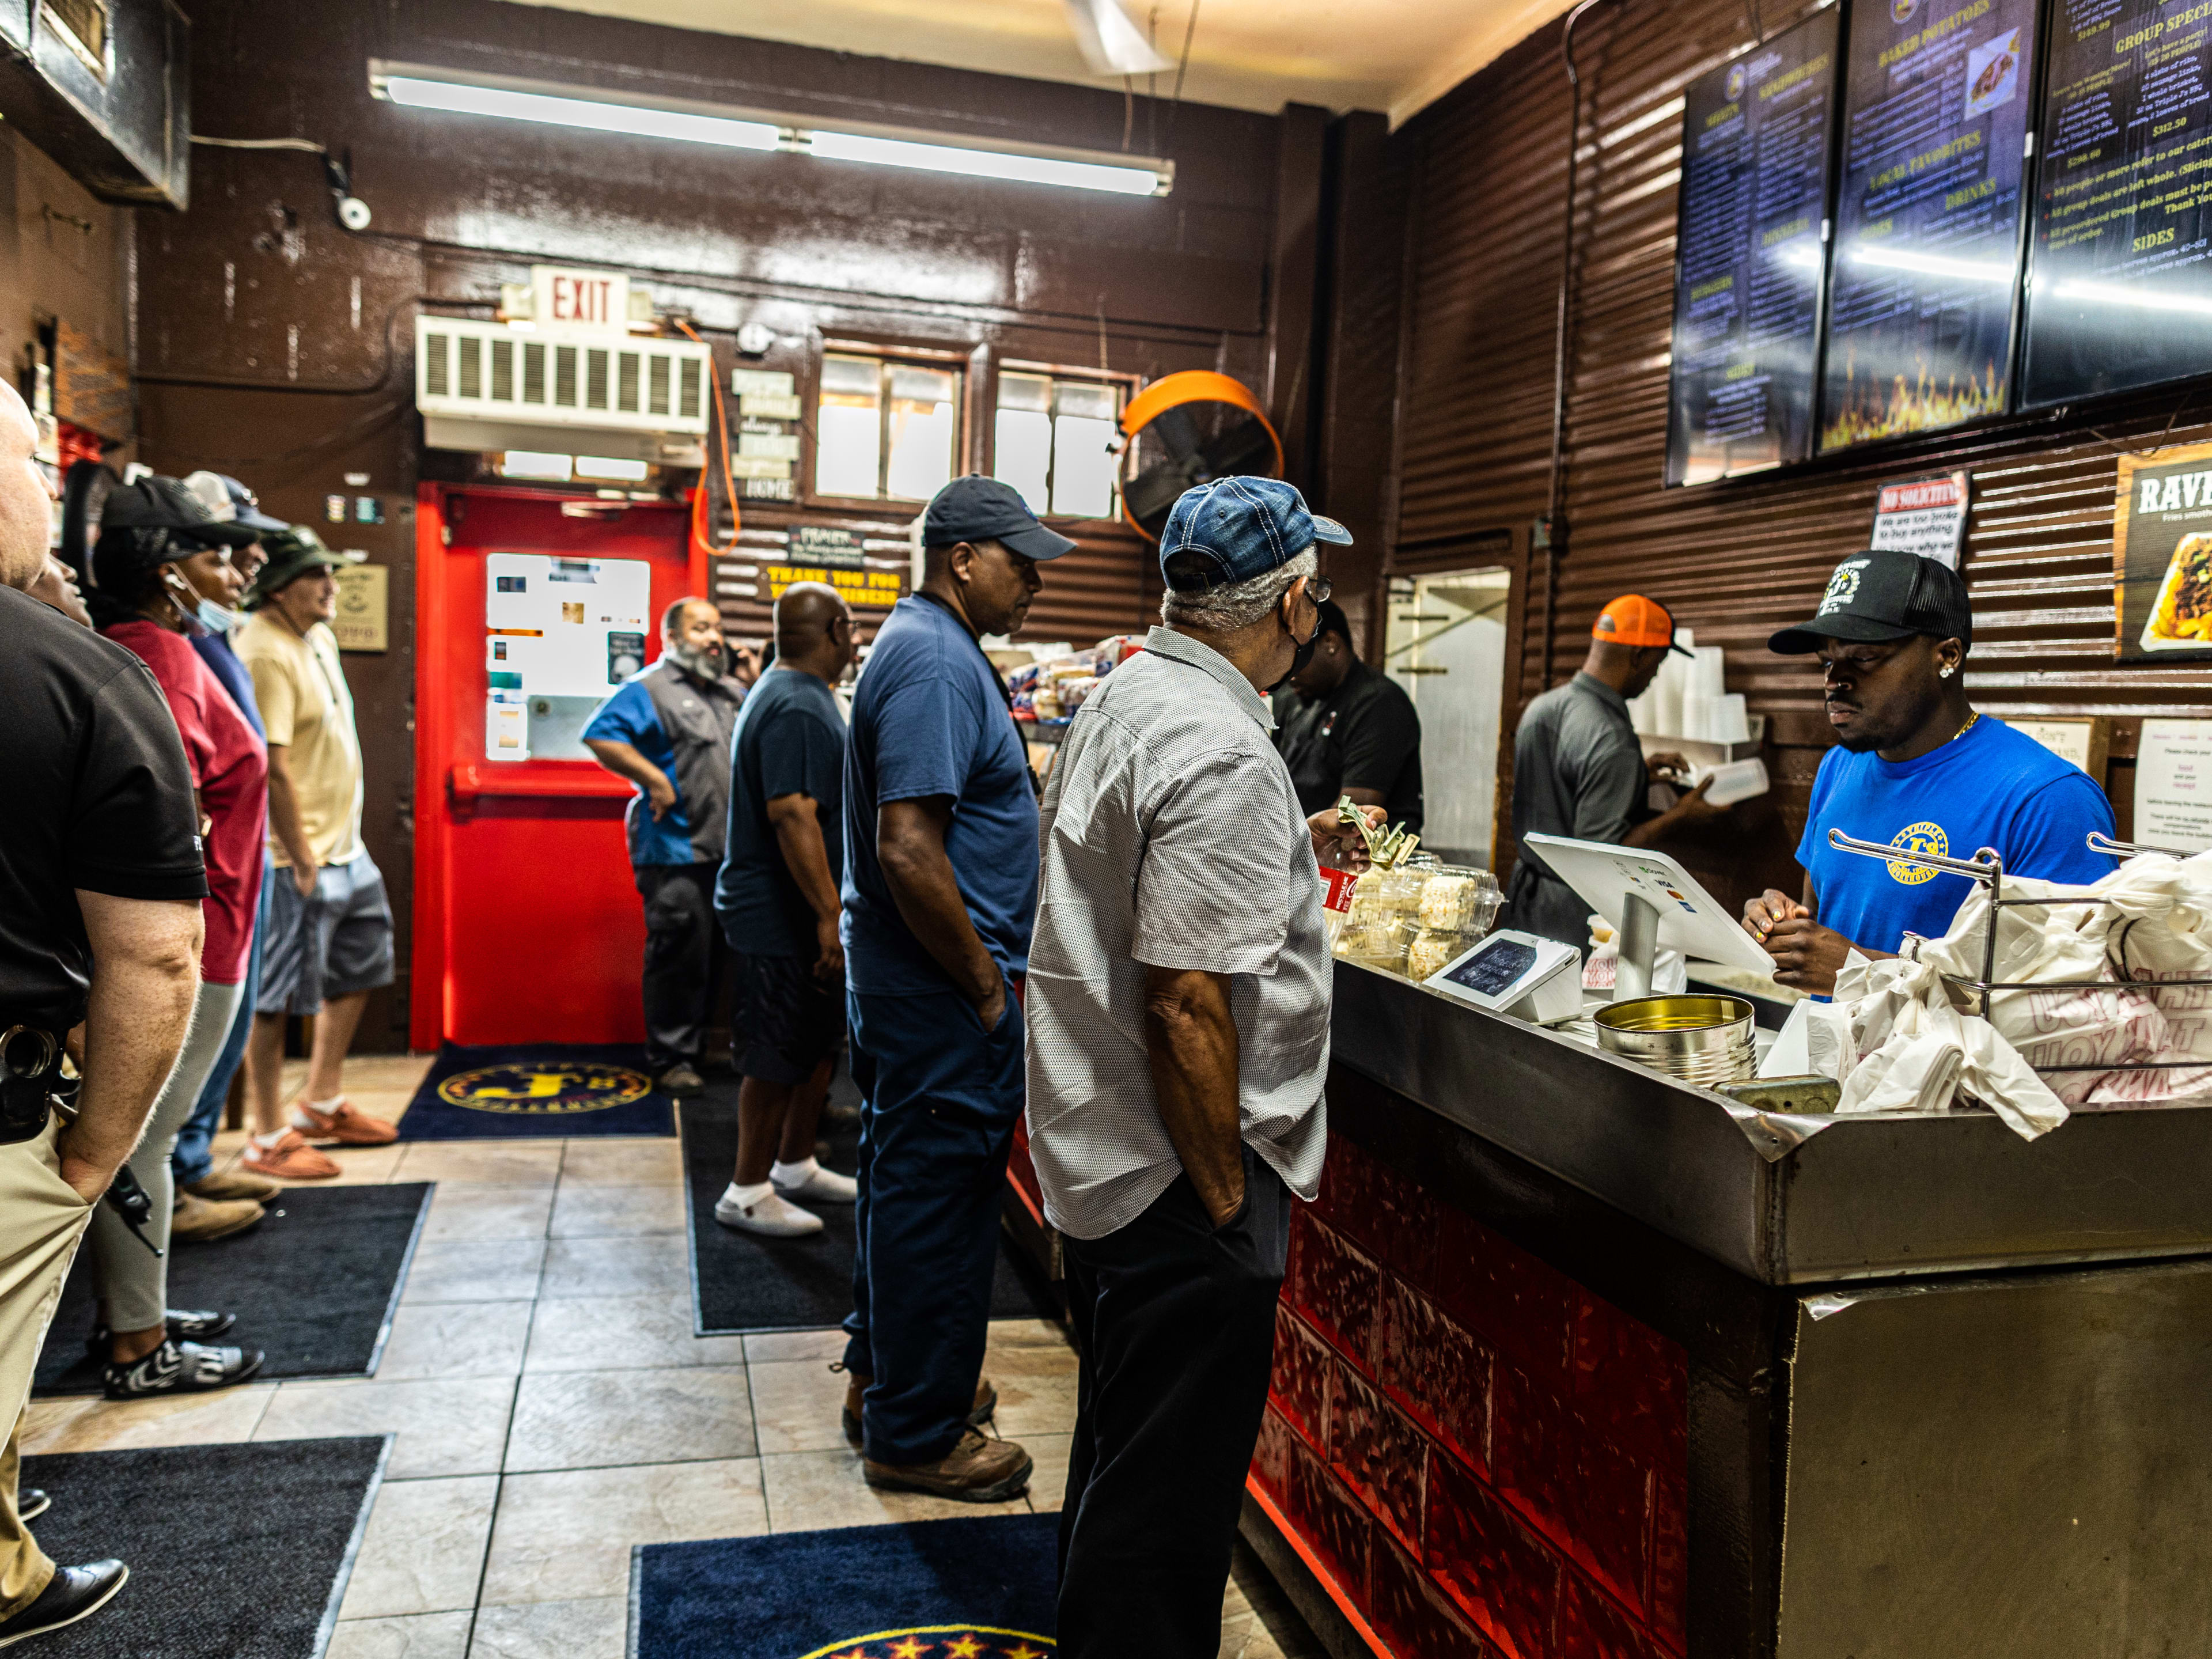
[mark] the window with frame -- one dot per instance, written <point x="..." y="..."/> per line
<point x="1051" y="442"/>
<point x="885" y="430"/>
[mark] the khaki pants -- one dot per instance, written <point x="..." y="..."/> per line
<point x="41" y="1220"/>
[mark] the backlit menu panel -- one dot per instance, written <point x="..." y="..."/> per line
<point x="1747" y="258"/>
<point x="2120" y="291"/>
<point x="1935" y="117"/>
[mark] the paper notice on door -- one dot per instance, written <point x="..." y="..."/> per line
<point x="2173" y="786"/>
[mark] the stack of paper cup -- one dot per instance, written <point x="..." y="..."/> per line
<point x="1697" y="718"/>
<point x="1708" y="674"/>
<point x="1666" y="695"/>
<point x="1731" y="723"/>
<point x="1640" y="715"/>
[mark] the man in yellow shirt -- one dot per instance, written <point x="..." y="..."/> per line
<point x="330" y="923"/>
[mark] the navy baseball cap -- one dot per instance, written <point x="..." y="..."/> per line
<point x="976" y="508"/>
<point x="229" y="501"/>
<point x="1236" y="528"/>
<point x="1881" y="595"/>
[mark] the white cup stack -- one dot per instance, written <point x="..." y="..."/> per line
<point x="1697" y="718"/>
<point x="1731" y="723"/>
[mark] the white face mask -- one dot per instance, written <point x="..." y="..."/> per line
<point x="218" y="618"/>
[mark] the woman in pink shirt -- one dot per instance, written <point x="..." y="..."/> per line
<point x="142" y="597"/>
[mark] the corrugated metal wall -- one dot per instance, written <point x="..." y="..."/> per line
<point x="1738" y="559"/>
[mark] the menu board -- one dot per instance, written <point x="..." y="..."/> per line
<point x="2121" y="289"/>
<point x="1935" y="120"/>
<point x="1747" y="257"/>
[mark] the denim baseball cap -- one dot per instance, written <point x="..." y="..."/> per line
<point x="1236" y="528"/>
<point x="976" y="508"/>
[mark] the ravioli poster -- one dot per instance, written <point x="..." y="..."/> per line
<point x="2162" y="555"/>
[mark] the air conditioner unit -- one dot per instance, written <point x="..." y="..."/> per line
<point x="484" y="385"/>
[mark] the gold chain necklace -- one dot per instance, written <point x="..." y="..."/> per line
<point x="1967" y="727"/>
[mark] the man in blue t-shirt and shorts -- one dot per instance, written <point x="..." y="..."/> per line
<point x="1914" y="768"/>
<point x="777" y="901"/>
<point x="940" y="893"/>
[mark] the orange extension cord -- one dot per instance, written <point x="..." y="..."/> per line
<point x="702" y="512"/>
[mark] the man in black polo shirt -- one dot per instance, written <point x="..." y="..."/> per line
<point x="99" y="863"/>
<point x="1345" y="729"/>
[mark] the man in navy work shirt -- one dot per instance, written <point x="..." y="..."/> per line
<point x="777" y="899"/>
<point x="667" y="731"/>
<point x="1915" y="767"/>
<point x="940" y="892"/>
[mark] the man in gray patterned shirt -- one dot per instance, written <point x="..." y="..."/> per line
<point x="1178" y="1004"/>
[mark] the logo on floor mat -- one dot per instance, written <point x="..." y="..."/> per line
<point x="546" y="1089"/>
<point x="940" y="1642"/>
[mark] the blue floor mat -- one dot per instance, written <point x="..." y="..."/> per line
<point x="983" y="1588"/>
<point x="544" y="1089"/>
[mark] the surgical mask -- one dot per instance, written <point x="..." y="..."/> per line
<point x="218" y="618"/>
<point x="176" y="591"/>
<point x="1298" y="661"/>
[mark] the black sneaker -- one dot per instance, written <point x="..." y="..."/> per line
<point x="185" y="1326"/>
<point x="31" y="1503"/>
<point x="179" y="1368"/>
<point x="680" y="1079"/>
<point x="70" y="1595"/>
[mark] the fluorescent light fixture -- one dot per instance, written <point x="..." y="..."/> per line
<point x="534" y="464"/>
<point x="461" y="98"/>
<point x="605" y="466"/>
<point x="1929" y="265"/>
<point x="2115" y="293"/>
<point x="416" y="86"/>
<point x="984" y="163"/>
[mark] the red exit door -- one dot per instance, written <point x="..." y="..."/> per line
<point x="530" y="609"/>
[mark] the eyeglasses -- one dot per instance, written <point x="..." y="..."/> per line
<point x="1318" y="589"/>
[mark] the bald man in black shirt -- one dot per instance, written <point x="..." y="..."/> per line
<point x="101" y="880"/>
<point x="1344" y="728"/>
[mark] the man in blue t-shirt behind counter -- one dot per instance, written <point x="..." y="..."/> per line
<point x="1914" y="768"/>
<point x="777" y="901"/>
<point x="940" y="894"/>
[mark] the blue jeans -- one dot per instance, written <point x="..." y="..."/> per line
<point x="940" y="1099"/>
<point x="194" y="1158"/>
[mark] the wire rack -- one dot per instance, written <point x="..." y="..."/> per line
<point x="1987" y="867"/>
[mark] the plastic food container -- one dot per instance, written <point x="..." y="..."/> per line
<point x="1457" y="899"/>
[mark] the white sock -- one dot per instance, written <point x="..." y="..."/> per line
<point x="302" y="1121"/>
<point x="271" y="1138"/>
<point x="746" y="1197"/>
<point x="792" y="1175"/>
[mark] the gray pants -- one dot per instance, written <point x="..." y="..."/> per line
<point x="133" y="1281"/>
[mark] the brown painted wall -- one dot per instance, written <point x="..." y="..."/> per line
<point x="1739" y="559"/>
<point x="278" y="346"/>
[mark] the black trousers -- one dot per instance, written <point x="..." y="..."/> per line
<point x="686" y="960"/>
<point x="1175" y="1322"/>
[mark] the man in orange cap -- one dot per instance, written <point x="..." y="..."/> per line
<point x="1579" y="771"/>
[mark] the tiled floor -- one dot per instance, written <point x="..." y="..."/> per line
<point x="552" y="1408"/>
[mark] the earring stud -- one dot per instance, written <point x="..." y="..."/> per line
<point x="1944" y="673"/>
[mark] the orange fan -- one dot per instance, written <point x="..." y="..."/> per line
<point x="1191" y="428"/>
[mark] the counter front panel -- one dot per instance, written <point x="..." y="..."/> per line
<point x="1476" y="1449"/>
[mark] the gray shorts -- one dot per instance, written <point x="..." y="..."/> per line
<point x="336" y="941"/>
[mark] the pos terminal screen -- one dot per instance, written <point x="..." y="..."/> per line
<point x="1489" y="972"/>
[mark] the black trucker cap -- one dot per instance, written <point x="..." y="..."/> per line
<point x="1875" y="597"/>
<point x="159" y="503"/>
<point x="976" y="509"/>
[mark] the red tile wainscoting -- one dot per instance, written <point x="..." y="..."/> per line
<point x="1482" y="1458"/>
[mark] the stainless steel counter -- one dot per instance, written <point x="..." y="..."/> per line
<point x="1789" y="1200"/>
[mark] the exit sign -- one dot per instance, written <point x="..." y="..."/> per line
<point x="569" y="297"/>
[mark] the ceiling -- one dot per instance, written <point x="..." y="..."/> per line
<point x="1391" y="55"/>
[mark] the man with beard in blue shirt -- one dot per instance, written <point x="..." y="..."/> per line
<point x="1915" y="767"/>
